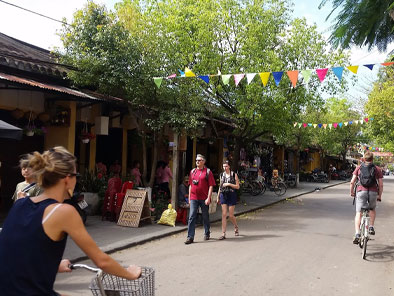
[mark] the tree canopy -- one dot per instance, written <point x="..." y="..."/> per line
<point x="362" y="22"/>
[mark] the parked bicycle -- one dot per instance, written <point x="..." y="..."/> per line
<point x="279" y="188"/>
<point x="249" y="184"/>
<point x="105" y="284"/>
<point x="364" y="233"/>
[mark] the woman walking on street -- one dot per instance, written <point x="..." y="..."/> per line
<point x="35" y="232"/>
<point x="227" y="196"/>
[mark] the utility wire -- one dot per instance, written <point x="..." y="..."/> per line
<point x="28" y="10"/>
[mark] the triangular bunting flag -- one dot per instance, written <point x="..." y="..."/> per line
<point x="366" y="119"/>
<point x="277" y="77"/>
<point x="182" y="73"/>
<point x="293" y="75"/>
<point x="264" y="77"/>
<point x="325" y="125"/>
<point x="335" y="125"/>
<point x="314" y="125"/>
<point x="321" y="73"/>
<point x="338" y="72"/>
<point x="171" y="76"/>
<point x="306" y="74"/>
<point x="346" y="123"/>
<point x="238" y="78"/>
<point x="371" y="118"/>
<point x="361" y="121"/>
<point x="305" y="124"/>
<point x="319" y="125"/>
<point x="204" y="78"/>
<point x="353" y="69"/>
<point x="158" y="81"/>
<point x="250" y="77"/>
<point x="340" y="124"/>
<point x="309" y="124"/>
<point x="350" y="122"/>
<point x="299" y="125"/>
<point x="356" y="121"/>
<point x="387" y="64"/>
<point x="369" y="66"/>
<point x="330" y="125"/>
<point x="226" y="79"/>
<point x="189" y="73"/>
<point x="295" y="124"/>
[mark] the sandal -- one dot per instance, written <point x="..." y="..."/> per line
<point x="236" y="232"/>
<point x="223" y="236"/>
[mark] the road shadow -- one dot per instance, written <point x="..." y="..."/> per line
<point x="380" y="253"/>
<point x="242" y="238"/>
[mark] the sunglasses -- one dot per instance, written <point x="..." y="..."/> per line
<point x="74" y="175"/>
<point x="199" y="160"/>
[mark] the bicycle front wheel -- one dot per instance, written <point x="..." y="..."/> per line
<point x="364" y="252"/>
<point x="280" y="189"/>
<point x="256" y="188"/>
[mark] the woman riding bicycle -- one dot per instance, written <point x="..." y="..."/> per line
<point x="34" y="234"/>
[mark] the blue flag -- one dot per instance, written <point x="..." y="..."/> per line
<point x="205" y="78"/>
<point x="369" y="66"/>
<point x="277" y="77"/>
<point x="338" y="72"/>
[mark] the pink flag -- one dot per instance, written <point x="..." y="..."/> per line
<point x="305" y="124"/>
<point x="238" y="78"/>
<point x="366" y="119"/>
<point x="171" y="76"/>
<point x="335" y="125"/>
<point x="321" y="73"/>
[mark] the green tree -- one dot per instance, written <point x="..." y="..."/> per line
<point x="240" y="37"/>
<point x="380" y="107"/>
<point x="362" y="22"/>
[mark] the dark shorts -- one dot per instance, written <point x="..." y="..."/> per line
<point x="228" y="198"/>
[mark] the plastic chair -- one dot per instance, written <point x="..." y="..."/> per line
<point x="114" y="185"/>
<point x="119" y="197"/>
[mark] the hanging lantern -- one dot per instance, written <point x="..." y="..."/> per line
<point x="17" y="113"/>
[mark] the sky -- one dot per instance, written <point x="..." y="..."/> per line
<point x="41" y="32"/>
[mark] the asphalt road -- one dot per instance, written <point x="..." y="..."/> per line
<point x="299" y="247"/>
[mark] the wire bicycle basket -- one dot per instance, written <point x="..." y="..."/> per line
<point x="104" y="284"/>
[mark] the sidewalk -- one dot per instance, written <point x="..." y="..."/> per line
<point x="111" y="238"/>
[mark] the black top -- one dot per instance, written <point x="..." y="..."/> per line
<point x="29" y="259"/>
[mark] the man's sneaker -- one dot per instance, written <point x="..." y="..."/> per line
<point x="371" y="230"/>
<point x="356" y="239"/>
<point x="188" y="241"/>
<point x="206" y="237"/>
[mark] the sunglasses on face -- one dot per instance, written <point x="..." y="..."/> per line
<point x="198" y="160"/>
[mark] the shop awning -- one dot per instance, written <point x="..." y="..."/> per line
<point x="9" y="131"/>
<point x="57" y="88"/>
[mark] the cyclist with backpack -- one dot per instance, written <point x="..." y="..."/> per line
<point x="367" y="190"/>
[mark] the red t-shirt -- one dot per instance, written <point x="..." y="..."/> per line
<point x="200" y="191"/>
<point x="378" y="175"/>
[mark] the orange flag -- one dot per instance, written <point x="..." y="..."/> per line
<point x="293" y="75"/>
<point x="387" y="64"/>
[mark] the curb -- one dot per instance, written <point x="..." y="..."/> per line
<point x="115" y="247"/>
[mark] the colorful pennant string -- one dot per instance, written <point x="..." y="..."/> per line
<point x="334" y="124"/>
<point x="264" y="76"/>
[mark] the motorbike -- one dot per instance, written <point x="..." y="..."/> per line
<point x="318" y="176"/>
<point x="290" y="180"/>
<point x="77" y="200"/>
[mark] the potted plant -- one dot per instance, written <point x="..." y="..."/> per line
<point x="31" y="130"/>
<point x="86" y="137"/>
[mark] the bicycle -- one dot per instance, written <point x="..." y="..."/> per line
<point x="364" y="231"/>
<point x="279" y="187"/>
<point x="105" y="284"/>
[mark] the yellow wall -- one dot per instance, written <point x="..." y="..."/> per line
<point x="63" y="135"/>
<point x="279" y="157"/>
<point x="315" y="163"/>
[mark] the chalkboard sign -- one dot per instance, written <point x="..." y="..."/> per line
<point x="135" y="208"/>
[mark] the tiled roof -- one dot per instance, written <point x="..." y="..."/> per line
<point x="27" y="57"/>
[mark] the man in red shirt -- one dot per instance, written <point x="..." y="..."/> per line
<point x="366" y="197"/>
<point x="201" y="182"/>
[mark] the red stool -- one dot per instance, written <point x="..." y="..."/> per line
<point x="119" y="197"/>
<point x="182" y="215"/>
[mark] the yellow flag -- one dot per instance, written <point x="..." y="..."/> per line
<point x="264" y="77"/>
<point x="353" y="69"/>
<point x="315" y="125"/>
<point x="189" y="73"/>
<point x="346" y="123"/>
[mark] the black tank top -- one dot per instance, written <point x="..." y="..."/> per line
<point x="29" y="259"/>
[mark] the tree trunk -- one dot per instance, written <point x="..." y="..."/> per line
<point x="154" y="161"/>
<point x="144" y="158"/>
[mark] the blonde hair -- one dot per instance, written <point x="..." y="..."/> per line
<point x="52" y="165"/>
<point x="24" y="162"/>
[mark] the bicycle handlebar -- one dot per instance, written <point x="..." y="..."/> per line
<point x="87" y="267"/>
